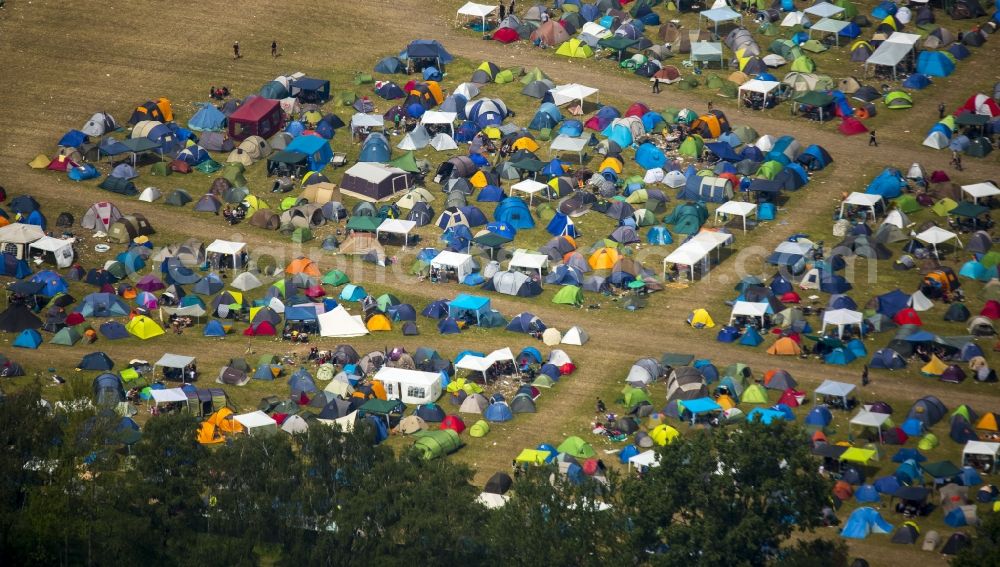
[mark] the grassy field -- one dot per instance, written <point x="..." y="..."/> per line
<point x="181" y="57"/>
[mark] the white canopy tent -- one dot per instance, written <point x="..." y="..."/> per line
<point x="529" y="261"/>
<point x="529" y="187"/>
<point x="257" y="423"/>
<point x="749" y="309"/>
<point x="698" y="250"/>
<point x="461" y="264"/>
<point x="719" y="16"/>
<point x="829" y="25"/>
<point x="984" y="452"/>
<point x="339" y="323"/>
<point x="474" y="10"/>
<point x="397" y="226"/>
<point x="862" y="200"/>
<point x="834" y="389"/>
<point x="482" y="364"/>
<point x="492" y="501"/>
<point x="936" y="235"/>
<point x="565" y="94"/>
<point x="980" y="190"/>
<point x="60" y="249"/>
<point x="842" y="318"/>
<point x="168" y="396"/>
<point x="866" y="418"/>
<point x="824" y="10"/>
<point x="564" y="143"/>
<point x="757" y="86"/>
<point x="218" y="250"/>
<point x="893" y="50"/>
<point x="410" y="386"/>
<point x="176" y="362"/>
<point x="738" y="208"/>
<point x="648" y="458"/>
<point x="706" y="52"/>
<point x="362" y="121"/>
<point x="436" y="117"/>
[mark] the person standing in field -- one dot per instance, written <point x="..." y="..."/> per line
<point x="274" y="48"/>
<point x="872" y="140"/>
<point x="236" y="50"/>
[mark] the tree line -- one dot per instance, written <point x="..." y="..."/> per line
<point x="72" y="492"/>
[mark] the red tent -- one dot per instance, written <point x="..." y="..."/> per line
<point x="74" y="319"/>
<point x="851" y="126"/>
<point x="991" y="310"/>
<point x="907" y="316"/>
<point x="258" y="116"/>
<point x="637" y="109"/>
<point x="506" y="35"/>
<point x="567" y="369"/>
<point x="790" y="398"/>
<point x="262" y="329"/>
<point x="790" y="297"/>
<point x="939" y="177"/>
<point x="454" y="423"/>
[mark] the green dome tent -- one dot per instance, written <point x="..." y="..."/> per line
<point x="692" y="147"/>
<point x="576" y="447"/>
<point x="803" y="64"/>
<point x="433" y="444"/>
<point x="898" y="100"/>
<point x="568" y="295"/>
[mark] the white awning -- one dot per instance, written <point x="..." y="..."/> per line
<point x="226" y="247"/>
<point x="748" y="309"/>
<point x="528" y="260"/>
<point x="483" y="363"/>
<point x="476" y="10"/>
<point x="255" y="419"/>
<point x="697" y="249"/>
<point x="738" y="208"/>
<point x="869" y="419"/>
<point x="451" y="259"/>
<point x="862" y="200"/>
<point x="397" y="226"/>
<point x="823" y="10"/>
<point x="438" y="117"/>
<point x="168" y="395"/>
<point x="841" y="318"/>
<point x="829" y="25"/>
<point x="980" y="190"/>
<point x="174" y="361"/>
<point x="834" y="388"/>
<point x="936" y="235"/>
<point x="759" y="86"/>
<point x="361" y="120"/>
<point x="564" y="94"/>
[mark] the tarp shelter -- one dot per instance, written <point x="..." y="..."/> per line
<point x="374" y="181"/>
<point x="257" y="423"/>
<point x="175" y="366"/>
<point x="864" y="200"/>
<point x="697" y="251"/>
<point x="719" y="16"/>
<point x="893" y="51"/>
<point x="409" y="386"/>
<point x="257" y="116"/>
<point x="397" y="226"/>
<point x="310" y="90"/>
<point x="454" y="262"/>
<point x="226" y="254"/>
<point x="738" y="208"/>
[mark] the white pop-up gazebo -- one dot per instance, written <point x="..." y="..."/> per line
<point x="565" y="94"/>
<point x="438" y="118"/>
<point x="862" y="200"/>
<point x="983" y="452"/>
<point x="524" y="260"/>
<point x="397" y="226"/>
<point x="767" y="89"/>
<point x="866" y="418"/>
<point x="720" y="16"/>
<point x="980" y="191"/>
<point x="481" y="11"/>
<point x="564" y="143"/>
<point x="823" y="10"/>
<point x="529" y="187"/>
<point x="460" y="264"/>
<point x="737" y="208"/>
<point x="749" y="309"/>
<point x="842" y="318"/>
<point x="178" y="364"/>
<point x="829" y="25"/>
<point x="697" y="251"/>
<point x="219" y="250"/>
<point x="257" y="423"/>
<point x="936" y="235"/>
<point x="834" y="389"/>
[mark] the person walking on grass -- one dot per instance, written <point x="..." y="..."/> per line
<point x="872" y="140"/>
<point x="940" y="111"/>
<point x="236" y="50"/>
<point x="864" y="376"/>
<point x="656" y="85"/>
<point x="274" y="48"/>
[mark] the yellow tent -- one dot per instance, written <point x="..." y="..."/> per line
<point x="478" y="180"/>
<point x="575" y="48"/>
<point x="40" y="162"/>
<point x="224" y="422"/>
<point x="492" y="132"/>
<point x="604" y="259"/>
<point x="701" y="319"/>
<point x="612" y="162"/>
<point x="663" y="434"/>
<point x="378" y="322"/>
<point x="522" y="143"/>
<point x="857" y="455"/>
<point x="254" y="204"/>
<point x="208" y="434"/>
<point x="726" y="402"/>
<point x="143" y="327"/>
<point x="532" y="457"/>
<point x="988" y="422"/>
<point x="934" y="368"/>
<point x="785" y="347"/>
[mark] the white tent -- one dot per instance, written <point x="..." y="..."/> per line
<point x="749" y="309"/>
<point x="528" y="187"/>
<point x="757" y="86"/>
<point x="484" y="363"/>
<point x="829" y="25"/>
<point x="920" y="302"/>
<point x="564" y="143"/>
<point x="897" y="218"/>
<point x="58" y="251"/>
<point x="492" y="501"/>
<point x="697" y="250"/>
<point x="246" y="282"/>
<point x="719" y="16"/>
<point x="765" y="143"/>
<point x="936" y="140"/>
<point x="866" y="418"/>
<point x="397" y="226"/>
<point x="218" y="250"/>
<point x="793" y="19"/>
<point x="168" y="396"/>
<point x="823" y="10"/>
<point x="295" y="424"/>
<point x="340" y="323"/>
<point x="738" y="208"/>
<point x="982" y="451"/>
<point x="674" y="179"/>
<point x="150" y="194"/>
<point x="18" y="236"/>
<point x="842" y="318"/>
<point x="436" y="117"/>
<point x="937" y="235"/>
<point x="575" y="336"/>
<point x="468" y="90"/>
<point x="862" y="200"/>
<point x="834" y="389"/>
<point x="474" y="10"/>
<point x="443" y="142"/>
<point x="528" y="261"/>
<point x="565" y="94"/>
<point x="648" y="458"/>
<point x="362" y="121"/>
<point x="345" y="423"/>
<point x="893" y="50"/>
<point x="980" y="190"/>
<point x="461" y="264"/>
<point x="417" y="139"/>
<point x="257" y="423"/>
<point x="410" y="386"/>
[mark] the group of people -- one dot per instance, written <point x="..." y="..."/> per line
<point x="218" y="93"/>
<point x="238" y="51"/>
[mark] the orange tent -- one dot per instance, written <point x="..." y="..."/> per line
<point x="726" y="402"/>
<point x="208" y="434"/>
<point x="525" y="143"/>
<point x="988" y="422"/>
<point x="378" y="322"/>
<point x="785" y="346"/>
<point x="303" y="266"/>
<point x="604" y="259"/>
<point x="224" y="422"/>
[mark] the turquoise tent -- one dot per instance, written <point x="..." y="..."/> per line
<point x="29" y="338"/>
